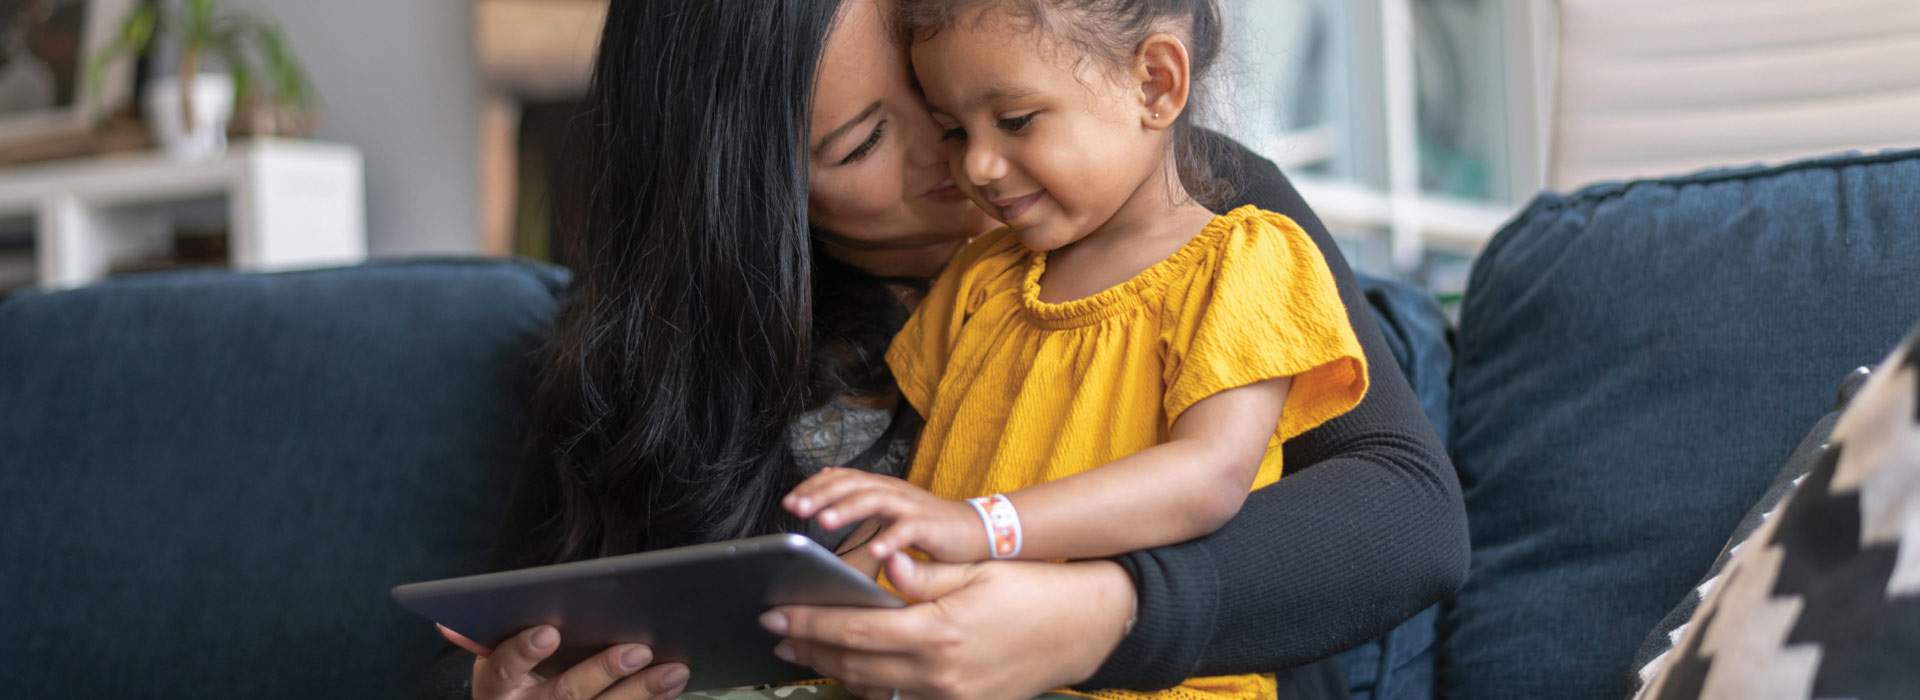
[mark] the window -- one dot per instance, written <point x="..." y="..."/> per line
<point x="1411" y="126"/>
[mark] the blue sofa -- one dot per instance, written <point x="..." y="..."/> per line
<point x="211" y="479"/>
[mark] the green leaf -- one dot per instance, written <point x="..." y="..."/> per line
<point x="290" y="80"/>
<point x="138" y="28"/>
<point x="97" y="69"/>
<point x="202" y="13"/>
<point x="234" y="53"/>
<point x="135" y="33"/>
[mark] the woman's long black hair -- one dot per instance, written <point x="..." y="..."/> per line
<point x="702" y="320"/>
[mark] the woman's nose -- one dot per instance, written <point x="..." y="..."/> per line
<point x="983" y="164"/>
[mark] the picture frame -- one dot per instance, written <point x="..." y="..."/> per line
<point x="44" y="49"/>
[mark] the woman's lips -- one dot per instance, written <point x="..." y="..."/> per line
<point x="1011" y="209"/>
<point x="947" y="193"/>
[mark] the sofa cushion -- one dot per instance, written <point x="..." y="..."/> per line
<point x="212" y="479"/>
<point x="1635" y="360"/>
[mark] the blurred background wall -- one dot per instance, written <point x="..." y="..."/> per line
<point x="400" y="79"/>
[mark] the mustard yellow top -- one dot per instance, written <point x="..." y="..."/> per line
<point x="1016" y="391"/>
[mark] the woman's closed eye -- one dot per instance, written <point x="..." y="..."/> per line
<point x="1016" y="124"/>
<point x="867" y="146"/>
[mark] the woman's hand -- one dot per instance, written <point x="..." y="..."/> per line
<point x="946" y="530"/>
<point x="996" y="630"/>
<point x="507" y="673"/>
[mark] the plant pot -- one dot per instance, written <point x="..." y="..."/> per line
<point x="206" y="137"/>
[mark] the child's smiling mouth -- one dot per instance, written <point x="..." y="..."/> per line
<point x="1011" y="209"/>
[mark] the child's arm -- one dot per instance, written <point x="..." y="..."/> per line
<point x="1172" y="492"/>
<point x="1168" y="493"/>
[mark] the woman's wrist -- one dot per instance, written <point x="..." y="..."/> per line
<point x="1114" y="607"/>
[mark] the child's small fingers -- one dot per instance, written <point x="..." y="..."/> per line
<point x="830" y="496"/>
<point x="816" y="491"/>
<point x="896" y="537"/>
<point x="792" y="500"/>
<point x="863" y="504"/>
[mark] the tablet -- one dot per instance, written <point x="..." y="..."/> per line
<point x="699" y="605"/>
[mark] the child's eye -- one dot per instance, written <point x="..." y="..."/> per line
<point x="954" y="134"/>
<point x="1016" y="123"/>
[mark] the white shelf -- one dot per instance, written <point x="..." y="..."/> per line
<point x="290" y="204"/>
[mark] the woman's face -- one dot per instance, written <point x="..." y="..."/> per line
<point x="878" y="178"/>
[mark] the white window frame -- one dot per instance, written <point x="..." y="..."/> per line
<point x="1416" y="221"/>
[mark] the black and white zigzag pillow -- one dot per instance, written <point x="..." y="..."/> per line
<point x="1824" y="600"/>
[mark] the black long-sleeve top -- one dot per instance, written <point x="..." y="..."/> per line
<point x="1370" y="530"/>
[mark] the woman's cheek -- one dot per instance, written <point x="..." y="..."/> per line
<point x="851" y="201"/>
<point x="848" y="209"/>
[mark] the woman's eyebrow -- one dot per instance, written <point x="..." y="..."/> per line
<point x="841" y="130"/>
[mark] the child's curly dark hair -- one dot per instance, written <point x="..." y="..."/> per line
<point x="1111" y="31"/>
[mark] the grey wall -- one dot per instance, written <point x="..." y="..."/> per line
<point x="399" y="79"/>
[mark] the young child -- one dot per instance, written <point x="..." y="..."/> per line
<point x="1117" y="367"/>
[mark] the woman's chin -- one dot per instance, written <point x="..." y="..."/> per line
<point x="969" y="218"/>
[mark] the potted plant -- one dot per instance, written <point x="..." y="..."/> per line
<point x="189" y="110"/>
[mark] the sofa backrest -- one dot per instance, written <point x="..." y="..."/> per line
<point x="212" y="479"/>
<point x="1635" y="362"/>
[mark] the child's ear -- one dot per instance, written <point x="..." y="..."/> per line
<point x="1160" y="65"/>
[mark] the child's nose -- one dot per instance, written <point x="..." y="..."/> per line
<point x="984" y="165"/>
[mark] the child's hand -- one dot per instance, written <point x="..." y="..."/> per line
<point x="946" y="530"/>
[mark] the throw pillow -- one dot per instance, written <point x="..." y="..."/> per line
<point x="1824" y="602"/>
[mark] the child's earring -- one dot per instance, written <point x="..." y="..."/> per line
<point x="1156" y="115"/>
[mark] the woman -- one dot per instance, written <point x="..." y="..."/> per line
<point x="757" y="175"/>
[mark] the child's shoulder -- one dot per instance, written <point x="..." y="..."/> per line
<point x="1254" y="236"/>
<point x="1252" y="225"/>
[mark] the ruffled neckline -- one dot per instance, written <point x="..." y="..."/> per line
<point x="1128" y="294"/>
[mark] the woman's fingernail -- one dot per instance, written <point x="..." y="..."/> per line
<point x="803" y="503"/>
<point x="545" y="638"/>
<point x="633" y="659"/>
<point x="904" y="562"/>
<point x="784" y="651"/>
<point x="827" y="518"/>
<point x="774" y="622"/>
<point x="675" y="678"/>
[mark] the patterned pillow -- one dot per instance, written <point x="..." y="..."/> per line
<point x="1824" y="600"/>
<point x="1656" y="650"/>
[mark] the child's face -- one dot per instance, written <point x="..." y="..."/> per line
<point x="1050" y="143"/>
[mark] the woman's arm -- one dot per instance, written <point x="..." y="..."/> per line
<point x="1370" y="531"/>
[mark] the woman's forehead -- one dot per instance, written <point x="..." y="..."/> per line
<point x="861" y="65"/>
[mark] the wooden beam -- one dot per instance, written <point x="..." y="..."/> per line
<point x="538" y="49"/>
<point x="499" y="173"/>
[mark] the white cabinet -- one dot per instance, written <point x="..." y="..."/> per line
<point x="290" y="205"/>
